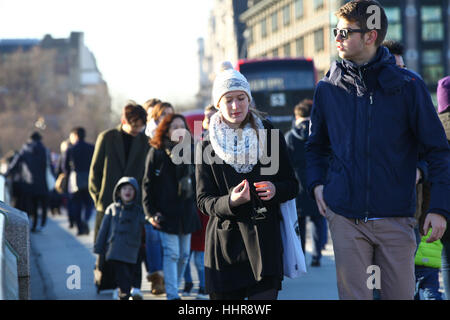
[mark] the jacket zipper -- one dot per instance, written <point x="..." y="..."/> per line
<point x="369" y="116"/>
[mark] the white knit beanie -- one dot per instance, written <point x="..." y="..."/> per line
<point x="229" y="79"/>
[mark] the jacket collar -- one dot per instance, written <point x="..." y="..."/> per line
<point x="380" y="71"/>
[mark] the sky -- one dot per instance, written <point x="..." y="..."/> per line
<point x="144" y="48"/>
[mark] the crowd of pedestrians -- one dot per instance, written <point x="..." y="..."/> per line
<point x="367" y="159"/>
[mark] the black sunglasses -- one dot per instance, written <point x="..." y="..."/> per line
<point x="344" y="32"/>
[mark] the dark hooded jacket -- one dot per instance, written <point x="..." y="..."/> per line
<point x="295" y="140"/>
<point x="372" y="119"/>
<point x="120" y="233"/>
<point x="160" y="193"/>
<point x="30" y="165"/>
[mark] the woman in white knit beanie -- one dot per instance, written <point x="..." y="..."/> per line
<point x="243" y="249"/>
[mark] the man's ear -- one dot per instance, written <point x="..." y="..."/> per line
<point x="371" y="37"/>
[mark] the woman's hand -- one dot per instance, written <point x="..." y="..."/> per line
<point x="240" y="194"/>
<point x="266" y="190"/>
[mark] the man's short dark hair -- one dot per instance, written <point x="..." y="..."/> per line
<point x="395" y="47"/>
<point x="36" y="136"/>
<point x="134" y="112"/>
<point x="303" y="109"/>
<point x="80" y="132"/>
<point x="356" y="11"/>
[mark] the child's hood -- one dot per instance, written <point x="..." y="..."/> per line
<point x="122" y="181"/>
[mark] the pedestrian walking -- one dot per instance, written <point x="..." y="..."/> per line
<point x="32" y="161"/>
<point x="306" y="206"/>
<point x="76" y="167"/>
<point x="119" y="237"/>
<point x="241" y="192"/>
<point x="118" y="153"/>
<point x="153" y="247"/>
<point x="169" y="197"/>
<point x="443" y="98"/>
<point x="371" y="117"/>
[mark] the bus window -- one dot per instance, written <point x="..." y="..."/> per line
<point x="278" y="85"/>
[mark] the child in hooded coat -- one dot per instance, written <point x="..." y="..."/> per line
<point x="120" y="233"/>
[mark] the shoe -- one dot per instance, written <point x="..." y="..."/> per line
<point x="115" y="294"/>
<point x="136" y="294"/>
<point x="315" y="263"/>
<point x="202" y="295"/>
<point x="157" y="281"/>
<point x="187" y="288"/>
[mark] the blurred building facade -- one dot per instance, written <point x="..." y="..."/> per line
<point x="224" y="41"/>
<point x="51" y="85"/>
<point x="73" y="66"/>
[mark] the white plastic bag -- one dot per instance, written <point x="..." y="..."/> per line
<point x="294" y="264"/>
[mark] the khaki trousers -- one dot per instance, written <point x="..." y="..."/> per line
<point x="373" y="254"/>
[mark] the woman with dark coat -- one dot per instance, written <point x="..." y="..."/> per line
<point x="241" y="189"/>
<point x="169" y="197"/>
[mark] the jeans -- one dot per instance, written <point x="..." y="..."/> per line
<point x="78" y="201"/>
<point x="154" y="255"/>
<point x="445" y="266"/>
<point x="176" y="249"/>
<point x="319" y="233"/>
<point x="199" y="260"/>
<point x="427" y="280"/>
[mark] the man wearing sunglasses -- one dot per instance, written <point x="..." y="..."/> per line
<point x="371" y="116"/>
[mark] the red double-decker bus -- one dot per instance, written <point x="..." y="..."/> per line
<point x="278" y="84"/>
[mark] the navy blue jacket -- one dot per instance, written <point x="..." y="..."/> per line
<point x="79" y="157"/>
<point x="372" y="120"/>
<point x="296" y="139"/>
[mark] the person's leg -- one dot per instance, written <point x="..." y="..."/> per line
<point x="32" y="206"/>
<point x="188" y="284"/>
<point x="353" y="252"/>
<point x="171" y="256"/>
<point x="88" y="208"/>
<point x="317" y="235"/>
<point x="430" y="285"/>
<point x="185" y="251"/>
<point x="122" y="273"/>
<point x="302" y="230"/>
<point x="154" y="248"/>
<point x="199" y="260"/>
<point x="76" y="207"/>
<point x="445" y="264"/>
<point x="394" y="255"/>
<point x="44" y="201"/>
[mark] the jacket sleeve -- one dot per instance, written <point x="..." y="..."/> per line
<point x="103" y="233"/>
<point x="318" y="146"/>
<point x="428" y="129"/>
<point x="148" y="201"/>
<point x="209" y="199"/>
<point x="96" y="168"/>
<point x="14" y="164"/>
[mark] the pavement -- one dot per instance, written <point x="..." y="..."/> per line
<point x="62" y="266"/>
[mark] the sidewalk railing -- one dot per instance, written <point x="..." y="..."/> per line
<point x="14" y="250"/>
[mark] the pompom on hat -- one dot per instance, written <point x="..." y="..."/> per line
<point x="228" y="79"/>
<point x="443" y="94"/>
